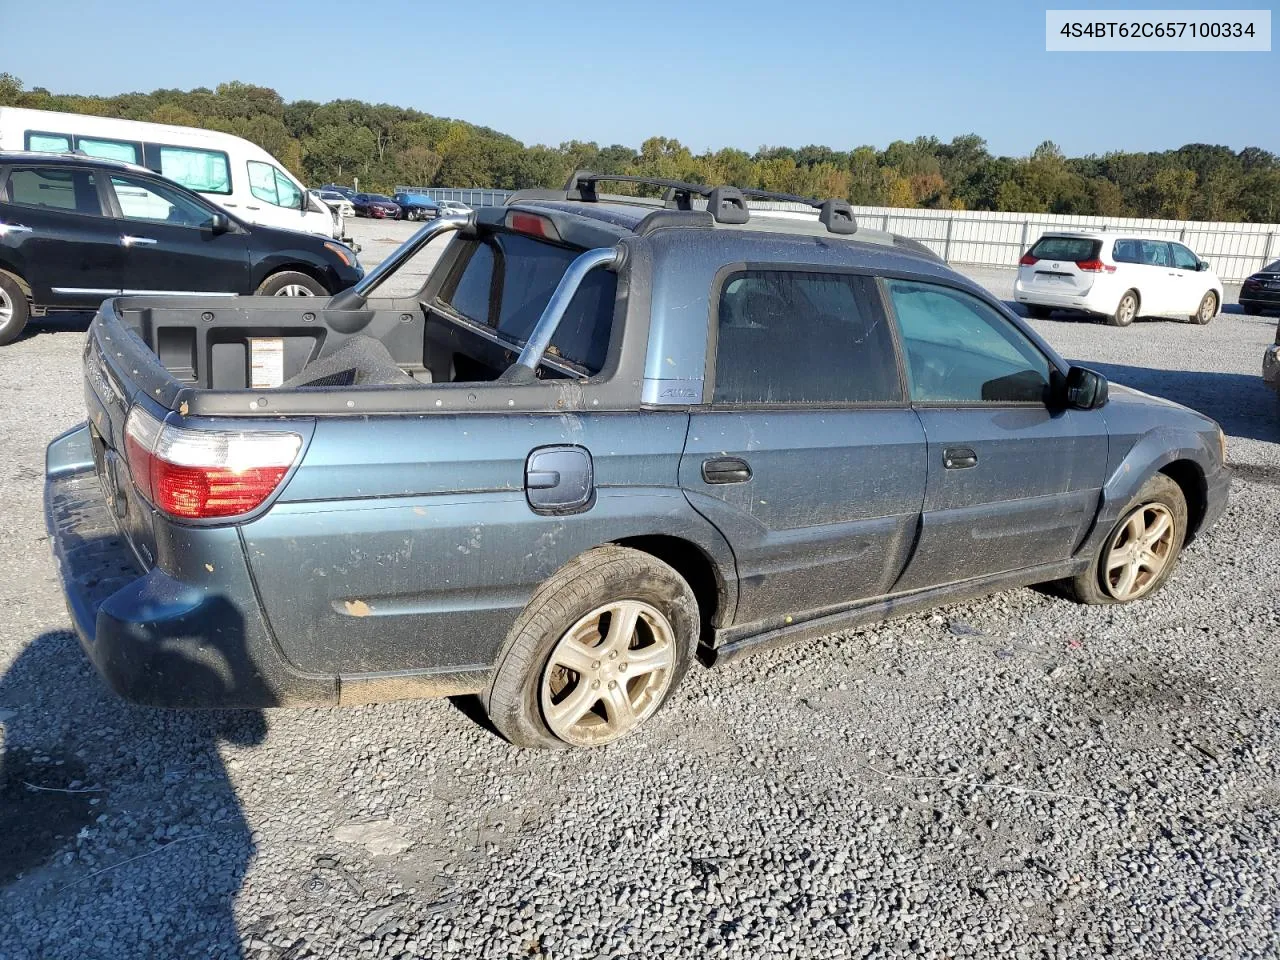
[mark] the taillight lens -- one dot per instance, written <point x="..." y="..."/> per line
<point x="199" y="474"/>
<point x="1094" y="266"/>
<point x="532" y="225"/>
<point x="1027" y="260"/>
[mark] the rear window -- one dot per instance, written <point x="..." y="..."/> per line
<point x="508" y="278"/>
<point x="1066" y="248"/>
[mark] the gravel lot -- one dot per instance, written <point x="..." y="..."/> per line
<point x="1018" y="776"/>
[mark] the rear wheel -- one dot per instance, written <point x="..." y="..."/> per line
<point x="14" y="309"/>
<point x="1141" y="551"/>
<point x="1126" y="310"/>
<point x="291" y="283"/>
<point x="600" y="647"/>
<point x="1207" y="310"/>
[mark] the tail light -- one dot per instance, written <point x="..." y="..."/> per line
<point x="533" y="225"/>
<point x="1027" y="260"/>
<point x="1095" y="266"/>
<point x="199" y="474"/>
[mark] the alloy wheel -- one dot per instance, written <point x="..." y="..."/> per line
<point x="1207" y="306"/>
<point x="6" y="308"/>
<point x="1128" y="307"/>
<point x="294" y="290"/>
<point x="1139" y="551"/>
<point x="608" y="673"/>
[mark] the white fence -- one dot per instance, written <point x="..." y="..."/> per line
<point x="1234" y="250"/>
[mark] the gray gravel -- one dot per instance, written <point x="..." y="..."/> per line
<point x="1018" y="776"/>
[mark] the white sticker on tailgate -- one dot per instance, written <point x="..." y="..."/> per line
<point x="266" y="362"/>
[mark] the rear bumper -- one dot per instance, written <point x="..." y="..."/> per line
<point x="198" y="641"/>
<point x="1090" y="301"/>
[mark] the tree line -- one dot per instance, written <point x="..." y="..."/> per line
<point x="385" y="145"/>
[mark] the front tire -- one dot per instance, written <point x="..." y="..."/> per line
<point x="291" y="283"/>
<point x="1126" y="310"/>
<point x="1207" y="310"/>
<point x="15" y="311"/>
<point x="599" y="648"/>
<point x="1142" y="549"/>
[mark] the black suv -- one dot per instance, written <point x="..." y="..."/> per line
<point x="76" y="230"/>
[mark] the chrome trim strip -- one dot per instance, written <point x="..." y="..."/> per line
<point x="94" y="290"/>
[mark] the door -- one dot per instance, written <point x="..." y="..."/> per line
<point x="1012" y="482"/>
<point x="167" y="243"/>
<point x="1189" y="284"/>
<point x="278" y="202"/>
<point x="1155" y="279"/>
<point x="53" y="230"/>
<point x="808" y="458"/>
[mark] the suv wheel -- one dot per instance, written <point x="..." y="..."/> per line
<point x="291" y="283"/>
<point x="1208" y="309"/>
<point x="14" y="309"/>
<point x="600" y="647"/>
<point x="1126" y="310"/>
<point x="1141" y="551"/>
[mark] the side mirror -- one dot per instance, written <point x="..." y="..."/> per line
<point x="219" y="223"/>
<point x="1203" y="265"/>
<point x="1085" y="389"/>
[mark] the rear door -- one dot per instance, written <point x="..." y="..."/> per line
<point x="1012" y="483"/>
<point x="1050" y="266"/>
<point x="53" y="232"/>
<point x="1156" y="280"/>
<point x="808" y="458"/>
<point x="167" y="243"/>
<point x="1188" y="283"/>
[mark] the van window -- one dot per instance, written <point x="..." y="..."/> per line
<point x="148" y="200"/>
<point x="269" y="184"/>
<point x="1065" y="248"/>
<point x="48" y="142"/>
<point x="73" y="191"/>
<point x="109" y="149"/>
<point x="206" y="171"/>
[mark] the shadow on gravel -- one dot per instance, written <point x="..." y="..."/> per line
<point x="120" y="832"/>
<point x="1242" y="403"/>
<point x="74" y="321"/>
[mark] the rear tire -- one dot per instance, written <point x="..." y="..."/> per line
<point x="1208" y="309"/>
<point x="15" y="310"/>
<point x="1039" y="313"/>
<point x="1126" y="310"/>
<point x="562" y="650"/>
<point x="1109" y="578"/>
<point x="291" y="283"/>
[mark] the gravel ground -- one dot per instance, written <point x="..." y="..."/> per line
<point x="1018" y="776"/>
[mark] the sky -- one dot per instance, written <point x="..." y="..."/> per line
<point x="711" y="74"/>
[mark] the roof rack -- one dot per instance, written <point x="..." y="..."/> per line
<point x="725" y="204"/>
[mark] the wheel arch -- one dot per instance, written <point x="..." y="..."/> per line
<point x="16" y="277"/>
<point x="708" y="582"/>
<point x="1190" y="478"/>
<point x="308" y="269"/>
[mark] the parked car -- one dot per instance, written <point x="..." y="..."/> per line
<point x="414" y="206"/>
<point x="338" y="188"/>
<point x="232" y="172"/>
<point x="1118" y="276"/>
<point x="607" y="435"/>
<point x="375" y="205"/>
<point x="335" y="200"/>
<point x="452" y="206"/>
<point x="1261" y="291"/>
<point x="76" y="230"/>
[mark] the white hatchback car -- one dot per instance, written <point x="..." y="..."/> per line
<point x="1118" y="276"/>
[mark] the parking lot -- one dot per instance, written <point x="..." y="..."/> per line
<point x="1018" y="776"/>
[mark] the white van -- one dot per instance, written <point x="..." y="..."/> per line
<point x="228" y="170"/>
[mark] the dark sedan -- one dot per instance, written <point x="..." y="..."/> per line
<point x="375" y="205"/>
<point x="1262" y="290"/>
<point x="76" y="230"/>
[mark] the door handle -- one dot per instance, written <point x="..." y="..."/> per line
<point x="542" y="479"/>
<point x="253" y="208"/>
<point x="127" y="241"/>
<point x="959" y="458"/>
<point x="7" y="228"/>
<point x="726" y="470"/>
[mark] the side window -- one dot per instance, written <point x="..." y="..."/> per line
<point x="961" y="350"/>
<point x="270" y="185"/>
<point x="147" y="200"/>
<point x="797" y="337"/>
<point x="207" y="171"/>
<point x="71" y="191"/>
<point x="1155" y="253"/>
<point x="48" y="142"/>
<point x="1127" y="251"/>
<point x="1183" y="258"/>
<point x="110" y="149"/>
